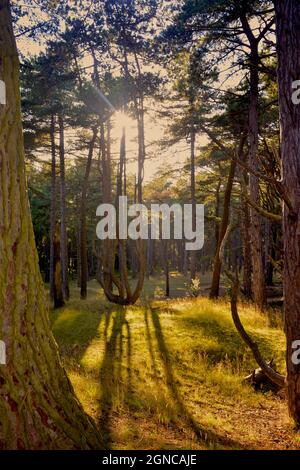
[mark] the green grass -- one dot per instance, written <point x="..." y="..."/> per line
<point x="167" y="374"/>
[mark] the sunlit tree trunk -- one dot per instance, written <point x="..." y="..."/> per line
<point x="38" y="409"/>
<point x="288" y="44"/>
<point x="63" y="235"/>
<point x="83" y="234"/>
<point x="258" y="274"/>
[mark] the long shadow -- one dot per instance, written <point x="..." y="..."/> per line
<point x="200" y="432"/>
<point x="112" y="382"/>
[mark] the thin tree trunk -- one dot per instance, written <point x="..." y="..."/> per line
<point x="288" y="43"/>
<point x="53" y="204"/>
<point x="247" y="259"/>
<point x="215" y="286"/>
<point x="193" y="201"/>
<point x="58" y="296"/>
<point x="217" y="212"/>
<point x="256" y="228"/>
<point x="83" y="234"/>
<point x="38" y="407"/>
<point x="63" y="235"/>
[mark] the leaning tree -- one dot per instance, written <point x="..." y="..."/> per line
<point x="38" y="408"/>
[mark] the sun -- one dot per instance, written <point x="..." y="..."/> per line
<point x="121" y="120"/>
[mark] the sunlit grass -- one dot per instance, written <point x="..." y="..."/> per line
<point x="166" y="373"/>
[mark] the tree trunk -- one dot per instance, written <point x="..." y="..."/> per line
<point x="83" y="235"/>
<point x="63" y="235"/>
<point x="193" y="202"/>
<point x="53" y="204"/>
<point x="288" y="44"/>
<point x="217" y="212"/>
<point x="38" y="409"/>
<point x="258" y="284"/>
<point x="247" y="259"/>
<point x="58" y="295"/>
<point x="215" y="286"/>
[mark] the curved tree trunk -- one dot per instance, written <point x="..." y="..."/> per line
<point x="288" y="41"/>
<point x="214" y="292"/>
<point x="215" y="287"/>
<point x="38" y="408"/>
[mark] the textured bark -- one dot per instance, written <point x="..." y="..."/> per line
<point x="288" y="43"/>
<point x="83" y="234"/>
<point x="38" y="409"/>
<point x="258" y="284"/>
<point x="258" y="277"/>
<point x="63" y="235"/>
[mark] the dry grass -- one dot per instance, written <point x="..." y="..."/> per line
<point x="167" y="374"/>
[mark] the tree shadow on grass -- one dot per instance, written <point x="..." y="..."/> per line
<point x="202" y="434"/>
<point x="114" y="381"/>
<point x="228" y="341"/>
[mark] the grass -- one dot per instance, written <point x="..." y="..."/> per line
<point x="167" y="374"/>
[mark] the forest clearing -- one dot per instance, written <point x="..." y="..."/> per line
<point x="168" y="374"/>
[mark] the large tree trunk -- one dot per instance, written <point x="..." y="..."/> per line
<point x="288" y="43"/>
<point x="83" y="235"/>
<point x="38" y="409"/>
<point x="63" y="235"/>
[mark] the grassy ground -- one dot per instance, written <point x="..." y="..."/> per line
<point x="167" y="374"/>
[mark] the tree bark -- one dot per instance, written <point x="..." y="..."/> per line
<point x="258" y="284"/>
<point x="215" y="286"/>
<point x="38" y="408"/>
<point x="53" y="204"/>
<point x="247" y="259"/>
<point x="288" y="45"/>
<point x="58" y="295"/>
<point x="83" y="234"/>
<point x="63" y="235"/>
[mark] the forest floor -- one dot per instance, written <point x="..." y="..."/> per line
<point x="167" y="374"/>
